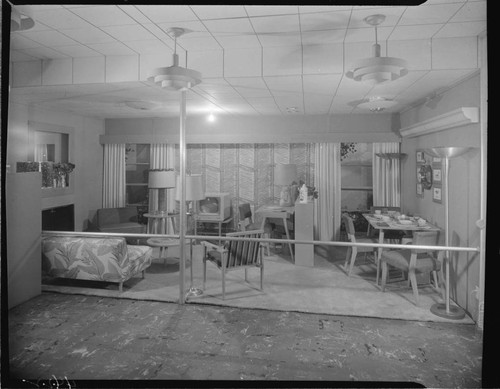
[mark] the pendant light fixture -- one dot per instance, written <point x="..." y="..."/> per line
<point x="377" y="69"/>
<point x="174" y="77"/>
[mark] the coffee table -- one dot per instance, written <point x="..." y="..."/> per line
<point x="163" y="244"/>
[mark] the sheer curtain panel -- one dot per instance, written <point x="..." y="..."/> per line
<point x="327" y="215"/>
<point x="114" y="176"/>
<point x="386" y="176"/>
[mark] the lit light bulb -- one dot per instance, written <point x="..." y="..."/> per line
<point x="211" y="118"/>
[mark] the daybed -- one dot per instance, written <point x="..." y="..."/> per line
<point x="120" y="220"/>
<point x="94" y="258"/>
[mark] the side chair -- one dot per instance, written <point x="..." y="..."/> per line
<point x="246" y="223"/>
<point x="353" y="251"/>
<point x="416" y="261"/>
<point x="234" y="255"/>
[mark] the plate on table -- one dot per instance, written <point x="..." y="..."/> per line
<point x="405" y="222"/>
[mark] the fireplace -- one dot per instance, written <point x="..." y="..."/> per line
<point x="59" y="218"/>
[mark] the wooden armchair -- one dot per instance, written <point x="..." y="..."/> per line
<point x="233" y="255"/>
<point x="353" y="251"/>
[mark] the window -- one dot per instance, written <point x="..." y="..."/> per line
<point x="136" y="174"/>
<point x="356" y="177"/>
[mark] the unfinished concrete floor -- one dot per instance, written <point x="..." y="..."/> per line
<point x="99" y="339"/>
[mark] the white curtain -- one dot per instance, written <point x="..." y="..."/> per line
<point x="327" y="181"/>
<point x="114" y="193"/>
<point x="162" y="156"/>
<point x="386" y="175"/>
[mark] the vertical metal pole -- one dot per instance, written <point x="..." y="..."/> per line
<point x="447" y="236"/>
<point x="182" y="216"/>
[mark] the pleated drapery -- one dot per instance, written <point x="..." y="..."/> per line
<point x="327" y="175"/>
<point x="386" y="176"/>
<point x="162" y="156"/>
<point x="114" y="192"/>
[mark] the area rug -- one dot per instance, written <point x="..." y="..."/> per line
<point x="323" y="289"/>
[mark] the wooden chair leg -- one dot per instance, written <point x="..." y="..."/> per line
<point x="246" y="275"/>
<point x="204" y="272"/>
<point x="347" y="257"/>
<point x="384" y="275"/>
<point x="262" y="277"/>
<point x="353" y="259"/>
<point x="223" y="284"/>
<point x="414" y="286"/>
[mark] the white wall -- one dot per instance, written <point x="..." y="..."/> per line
<point x="464" y="186"/>
<point x="87" y="155"/>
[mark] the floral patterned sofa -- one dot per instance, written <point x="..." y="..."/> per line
<point x="107" y="259"/>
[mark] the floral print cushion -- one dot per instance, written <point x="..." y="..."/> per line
<point x="93" y="258"/>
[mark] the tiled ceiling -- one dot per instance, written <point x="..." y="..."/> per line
<point x="255" y="60"/>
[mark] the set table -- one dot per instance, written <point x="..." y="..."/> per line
<point x="385" y="222"/>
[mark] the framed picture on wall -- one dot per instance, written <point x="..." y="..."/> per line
<point x="436" y="175"/>
<point x="436" y="160"/>
<point x="420" y="156"/>
<point x="437" y="194"/>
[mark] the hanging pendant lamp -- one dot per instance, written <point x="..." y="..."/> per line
<point x="377" y="69"/>
<point x="174" y="77"/>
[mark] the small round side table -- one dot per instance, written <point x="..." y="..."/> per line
<point x="163" y="244"/>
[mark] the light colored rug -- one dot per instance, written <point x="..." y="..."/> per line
<point x="324" y="289"/>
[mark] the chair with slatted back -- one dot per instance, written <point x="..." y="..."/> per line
<point x="353" y="251"/>
<point x="234" y="255"/>
<point x="246" y="223"/>
<point x="415" y="261"/>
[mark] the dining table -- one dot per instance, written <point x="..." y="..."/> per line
<point x="395" y="222"/>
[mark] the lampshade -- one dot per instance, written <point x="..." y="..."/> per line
<point x="377" y="69"/>
<point x="174" y="77"/>
<point x="20" y="19"/>
<point x="161" y="179"/>
<point x="194" y="188"/>
<point x="285" y="174"/>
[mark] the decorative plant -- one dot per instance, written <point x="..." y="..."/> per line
<point x="311" y="190"/>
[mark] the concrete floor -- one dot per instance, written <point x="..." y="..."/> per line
<point x="99" y="339"/>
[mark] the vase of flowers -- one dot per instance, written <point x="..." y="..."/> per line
<point x="60" y="172"/>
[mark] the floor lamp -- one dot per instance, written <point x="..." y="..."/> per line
<point x="194" y="192"/>
<point x="178" y="79"/>
<point x="159" y="181"/>
<point x="445" y="309"/>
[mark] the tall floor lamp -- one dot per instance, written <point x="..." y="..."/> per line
<point x="194" y="192"/>
<point x="160" y="180"/>
<point x="445" y="309"/>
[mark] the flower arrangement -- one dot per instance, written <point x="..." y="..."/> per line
<point x="60" y="172"/>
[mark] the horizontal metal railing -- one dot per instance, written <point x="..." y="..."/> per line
<point x="292" y="241"/>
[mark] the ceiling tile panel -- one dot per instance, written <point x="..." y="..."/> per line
<point x="470" y="12"/>
<point x="284" y="85"/>
<point x="18" y="42"/>
<point x="104" y="15"/>
<point x="321" y="85"/>
<point x="50" y="38"/>
<point x="78" y="51"/>
<point x="454" y="53"/>
<point x="206" y="42"/>
<point x="172" y="13"/>
<point x="250" y="87"/>
<point x="135" y="14"/>
<point x="282" y="60"/>
<point x="149" y="47"/>
<point x="224" y="27"/>
<point x="276" y="24"/>
<point x="238" y="41"/>
<point x="323" y="59"/>
<point x="304" y="9"/>
<point x="242" y="62"/>
<point x="60" y="18"/>
<point x="18" y="56"/>
<point x="324" y="21"/>
<point x="452" y="30"/>
<point x="323" y="37"/>
<point x="416" y="53"/>
<point x="88" y="35"/>
<point x="317" y="105"/>
<point x="205" y="12"/>
<point x="414" y="32"/>
<point x="43" y="53"/>
<point x="271" y="10"/>
<point x="209" y="62"/>
<point x="129" y="33"/>
<point x="429" y="14"/>
<point x="113" y="48"/>
<point x="280" y="39"/>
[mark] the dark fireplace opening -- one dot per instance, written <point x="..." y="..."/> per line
<point x="59" y="218"/>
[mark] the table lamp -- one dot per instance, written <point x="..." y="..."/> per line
<point x="194" y="192"/>
<point x="159" y="181"/>
<point x="284" y="175"/>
